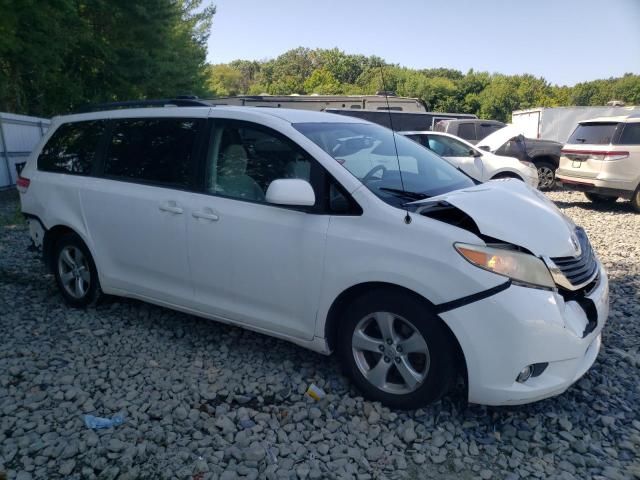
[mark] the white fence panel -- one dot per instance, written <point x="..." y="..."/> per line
<point x="19" y="134"/>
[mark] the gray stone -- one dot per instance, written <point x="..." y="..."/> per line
<point x="607" y="421"/>
<point x="374" y="453"/>
<point x="67" y="467"/>
<point x="419" y="458"/>
<point x="180" y="413"/>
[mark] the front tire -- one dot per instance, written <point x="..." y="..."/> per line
<point x="546" y="175"/>
<point x="601" y="199"/>
<point x="395" y="350"/>
<point x="75" y="271"/>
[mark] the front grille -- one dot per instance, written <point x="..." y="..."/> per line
<point x="579" y="270"/>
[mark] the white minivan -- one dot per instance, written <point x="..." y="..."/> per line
<point x="326" y="231"/>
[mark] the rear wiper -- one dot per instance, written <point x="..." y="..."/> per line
<point x="405" y="193"/>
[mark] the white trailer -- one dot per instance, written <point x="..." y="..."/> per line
<point x="19" y="134"/>
<point x="557" y="123"/>
<point x="322" y="102"/>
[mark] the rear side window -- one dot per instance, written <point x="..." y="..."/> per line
<point x="467" y="131"/>
<point x="600" y="133"/>
<point x="155" y="150"/>
<point x="630" y="134"/>
<point x="72" y="148"/>
<point x="485" y="129"/>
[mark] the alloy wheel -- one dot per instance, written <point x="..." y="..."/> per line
<point x="390" y="353"/>
<point x="546" y="177"/>
<point x="74" y="272"/>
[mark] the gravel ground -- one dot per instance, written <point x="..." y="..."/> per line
<point x="204" y="400"/>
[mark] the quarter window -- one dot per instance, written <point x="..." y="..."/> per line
<point x="487" y="129"/>
<point x="467" y="131"/>
<point x="630" y="134"/>
<point x="72" y="148"/>
<point x="158" y="150"/>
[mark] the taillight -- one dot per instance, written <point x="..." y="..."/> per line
<point x="23" y="184"/>
<point x="584" y="155"/>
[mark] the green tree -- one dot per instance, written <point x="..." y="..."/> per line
<point x="627" y="89"/>
<point x="322" y="82"/>
<point x="224" y="80"/>
<point x="61" y="54"/>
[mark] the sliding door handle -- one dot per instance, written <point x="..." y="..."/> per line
<point x="206" y="216"/>
<point x="171" y="207"/>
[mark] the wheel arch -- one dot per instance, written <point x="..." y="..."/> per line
<point x="546" y="158"/>
<point x="507" y="174"/>
<point x="51" y="237"/>
<point x="343" y="300"/>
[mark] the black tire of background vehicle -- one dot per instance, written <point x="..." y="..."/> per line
<point x="442" y="371"/>
<point x="72" y="240"/>
<point x="546" y="175"/>
<point x="602" y="199"/>
<point x="635" y="199"/>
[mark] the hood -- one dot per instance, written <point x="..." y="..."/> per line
<point x="510" y="211"/>
<point x="500" y="137"/>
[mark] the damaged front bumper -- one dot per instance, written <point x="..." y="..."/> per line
<point x="520" y="326"/>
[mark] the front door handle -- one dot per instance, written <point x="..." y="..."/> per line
<point x="206" y="216"/>
<point x="171" y="207"/>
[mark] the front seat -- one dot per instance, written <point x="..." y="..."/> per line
<point x="232" y="178"/>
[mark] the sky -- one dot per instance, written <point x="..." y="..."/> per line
<point x="564" y="41"/>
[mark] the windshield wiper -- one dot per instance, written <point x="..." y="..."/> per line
<point x="405" y="193"/>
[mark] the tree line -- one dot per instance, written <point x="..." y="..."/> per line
<point x="488" y="95"/>
<point x="59" y="55"/>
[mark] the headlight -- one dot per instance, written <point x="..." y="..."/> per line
<point x="522" y="268"/>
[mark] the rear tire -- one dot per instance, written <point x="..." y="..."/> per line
<point x="600" y="199"/>
<point x="635" y="199"/>
<point x="395" y="350"/>
<point x="75" y="271"/>
<point x="546" y="175"/>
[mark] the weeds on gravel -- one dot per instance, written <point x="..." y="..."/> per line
<point x="12" y="219"/>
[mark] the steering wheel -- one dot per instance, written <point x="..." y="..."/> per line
<point x="369" y="176"/>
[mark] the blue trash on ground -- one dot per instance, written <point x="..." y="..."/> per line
<point x="97" y="423"/>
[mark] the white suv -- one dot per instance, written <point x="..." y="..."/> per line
<point x="478" y="164"/>
<point x="326" y="231"/>
<point x="602" y="159"/>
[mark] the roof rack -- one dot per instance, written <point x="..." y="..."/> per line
<point x="179" y="101"/>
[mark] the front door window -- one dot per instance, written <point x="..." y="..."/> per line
<point x="244" y="159"/>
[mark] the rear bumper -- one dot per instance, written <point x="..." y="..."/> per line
<point x="521" y="326"/>
<point x="593" y="186"/>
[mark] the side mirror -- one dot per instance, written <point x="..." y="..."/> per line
<point x="519" y="138"/>
<point x="474" y="153"/>
<point x="485" y="148"/>
<point x="291" y="191"/>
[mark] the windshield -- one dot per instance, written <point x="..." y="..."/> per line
<point x="368" y="152"/>
<point x="599" y="133"/>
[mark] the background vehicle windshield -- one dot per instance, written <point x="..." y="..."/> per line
<point x="368" y="152"/>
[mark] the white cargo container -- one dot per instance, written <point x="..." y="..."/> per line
<point x="557" y="123"/>
<point x="19" y="134"/>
